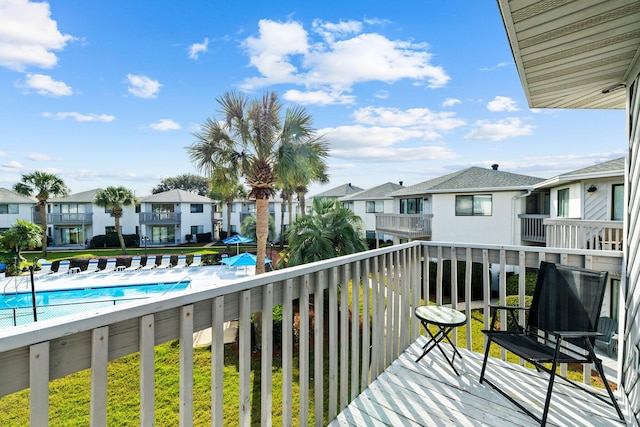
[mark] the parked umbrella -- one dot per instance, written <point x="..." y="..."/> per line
<point x="244" y="260"/>
<point x="237" y="239"/>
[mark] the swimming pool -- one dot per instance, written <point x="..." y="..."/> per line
<point x="17" y="308"/>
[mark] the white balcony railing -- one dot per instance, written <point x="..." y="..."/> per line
<point x="583" y="234"/>
<point x="368" y="321"/>
<point x="532" y="228"/>
<point x="405" y="225"/>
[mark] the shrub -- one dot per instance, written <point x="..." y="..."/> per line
<point x="529" y="285"/>
<point x="203" y="237"/>
<point x="110" y="240"/>
<point x="476" y="279"/>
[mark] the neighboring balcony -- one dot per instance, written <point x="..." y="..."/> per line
<point x="65" y="218"/>
<point x="532" y="228"/>
<point x="408" y="226"/>
<point x="569" y="233"/>
<point x="245" y="214"/>
<point x="159" y="218"/>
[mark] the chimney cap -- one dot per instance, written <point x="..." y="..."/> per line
<point x="494" y="166"/>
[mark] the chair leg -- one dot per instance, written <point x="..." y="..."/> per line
<point x="552" y="378"/>
<point x="598" y="364"/>
<point x="484" y="363"/>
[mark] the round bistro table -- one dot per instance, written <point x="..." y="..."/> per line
<point x="445" y="319"/>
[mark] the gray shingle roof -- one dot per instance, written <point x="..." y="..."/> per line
<point x="340" y="191"/>
<point x="472" y="179"/>
<point x="616" y="166"/>
<point x="8" y="196"/>
<point x="611" y="168"/>
<point x="380" y="192"/>
<point x="175" y="196"/>
<point x="82" y="197"/>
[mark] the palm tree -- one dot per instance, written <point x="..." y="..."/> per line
<point x="42" y="185"/>
<point x="226" y="187"/>
<point x="248" y="228"/>
<point x="254" y="141"/>
<point x="114" y="199"/>
<point x="329" y="231"/>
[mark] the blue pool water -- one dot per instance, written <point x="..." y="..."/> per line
<point x="17" y="308"/>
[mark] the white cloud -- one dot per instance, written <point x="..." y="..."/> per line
<point x="80" y="117"/>
<point x="12" y="165"/>
<point x="317" y="97"/>
<point x="142" y="86"/>
<point x="502" y="103"/>
<point x="330" y="30"/>
<point x="28" y="35"/>
<point x="413" y="117"/>
<point x="450" y="102"/>
<point x="45" y="85"/>
<point x="38" y="157"/>
<point x="495" y="131"/>
<point x="495" y="67"/>
<point x="285" y="53"/>
<point x="197" y="48"/>
<point x="3" y="154"/>
<point x="165" y="125"/>
<point x="409" y="154"/>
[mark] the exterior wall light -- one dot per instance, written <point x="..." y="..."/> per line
<point x="592" y="189"/>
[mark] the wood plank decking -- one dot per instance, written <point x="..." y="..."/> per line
<point x="428" y="393"/>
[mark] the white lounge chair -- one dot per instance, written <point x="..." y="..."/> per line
<point x="151" y="263"/>
<point x="110" y="267"/>
<point x="63" y="268"/>
<point x="45" y="267"/>
<point x="182" y="261"/>
<point x="165" y="262"/>
<point x="92" y="267"/>
<point x="196" y="261"/>
<point x="135" y="264"/>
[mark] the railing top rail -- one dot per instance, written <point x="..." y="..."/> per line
<point x="589" y="222"/>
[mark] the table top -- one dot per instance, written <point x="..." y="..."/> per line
<point x="439" y="315"/>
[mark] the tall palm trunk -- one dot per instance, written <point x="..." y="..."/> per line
<point x="301" y="203"/>
<point x="284" y="201"/>
<point x="120" y="237"/>
<point x="42" y="205"/>
<point x="262" y="232"/>
<point x="229" y="219"/>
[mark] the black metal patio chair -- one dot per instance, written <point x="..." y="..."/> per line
<point x="561" y="327"/>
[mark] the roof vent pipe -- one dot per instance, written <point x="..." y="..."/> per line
<point x="400" y="183"/>
<point x="494" y="166"/>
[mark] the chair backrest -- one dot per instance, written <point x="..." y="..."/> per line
<point x="607" y="327"/>
<point x="567" y="298"/>
<point x="63" y="266"/>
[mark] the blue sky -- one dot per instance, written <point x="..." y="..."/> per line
<point x="111" y="92"/>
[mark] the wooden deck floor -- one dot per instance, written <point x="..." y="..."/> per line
<point x="428" y="393"/>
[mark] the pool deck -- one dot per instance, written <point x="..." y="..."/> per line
<point x="202" y="276"/>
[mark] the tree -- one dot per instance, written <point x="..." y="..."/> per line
<point x="21" y="235"/>
<point x="114" y="199"/>
<point x="42" y="185"/>
<point x="254" y="141"/>
<point x="188" y="182"/>
<point x="248" y="228"/>
<point x="225" y="188"/>
<point x="329" y="231"/>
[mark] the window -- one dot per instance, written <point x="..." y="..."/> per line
<point x="233" y="207"/>
<point x="72" y="208"/>
<point x="618" y="202"/>
<point x="138" y="208"/>
<point x="10" y="208"/>
<point x="197" y="229"/>
<point x="474" y="205"/>
<point x="411" y="206"/>
<point x="233" y="228"/>
<point x="371" y="234"/>
<point x="162" y="207"/>
<point x="375" y="207"/>
<point x="197" y="208"/>
<point x="348" y="205"/>
<point x="563" y="203"/>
